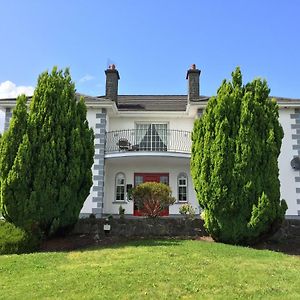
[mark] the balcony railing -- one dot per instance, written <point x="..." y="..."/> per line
<point x="158" y="140"/>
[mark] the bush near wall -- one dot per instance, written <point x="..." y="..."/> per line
<point x="14" y="240"/>
<point x="234" y="162"/>
<point x="152" y="198"/>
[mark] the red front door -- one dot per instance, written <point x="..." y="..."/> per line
<point x="150" y="177"/>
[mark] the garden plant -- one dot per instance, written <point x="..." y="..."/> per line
<point x="234" y="163"/>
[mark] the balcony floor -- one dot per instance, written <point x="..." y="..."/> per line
<point x="146" y="154"/>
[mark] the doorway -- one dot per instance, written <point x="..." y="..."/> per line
<point x="150" y="177"/>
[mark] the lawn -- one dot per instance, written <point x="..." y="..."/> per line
<point x="154" y="269"/>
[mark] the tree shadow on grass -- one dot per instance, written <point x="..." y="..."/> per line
<point x="287" y="246"/>
<point x="86" y="243"/>
<point x="138" y="242"/>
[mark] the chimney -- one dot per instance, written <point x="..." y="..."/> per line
<point x="112" y="77"/>
<point x="193" y="75"/>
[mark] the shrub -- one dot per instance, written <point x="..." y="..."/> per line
<point x="14" y="240"/>
<point x="152" y="198"/>
<point x="46" y="157"/>
<point x="92" y="216"/>
<point x="202" y="215"/>
<point x="121" y="212"/>
<point x="234" y="163"/>
<point x="187" y="210"/>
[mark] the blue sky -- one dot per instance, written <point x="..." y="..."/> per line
<point x="152" y="43"/>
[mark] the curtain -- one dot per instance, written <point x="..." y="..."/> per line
<point x="151" y="137"/>
<point x="161" y="131"/>
<point x="141" y="135"/>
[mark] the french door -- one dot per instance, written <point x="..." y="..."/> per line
<point x="151" y="137"/>
<point x="150" y="177"/>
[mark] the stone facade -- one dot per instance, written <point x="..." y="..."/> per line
<point x="289" y="230"/>
<point x="98" y="177"/>
<point x="193" y="84"/>
<point x="112" y="77"/>
<point x="296" y="146"/>
<point x="142" y="227"/>
<point x="168" y="227"/>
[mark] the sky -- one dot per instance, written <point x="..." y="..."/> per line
<point x="152" y="43"/>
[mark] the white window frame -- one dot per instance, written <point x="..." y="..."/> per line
<point x="179" y="177"/>
<point x="121" y="185"/>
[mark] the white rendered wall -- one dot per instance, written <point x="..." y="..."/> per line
<point x="179" y="123"/>
<point x="112" y="166"/>
<point x="131" y="165"/>
<point x="89" y="204"/>
<point x="286" y="173"/>
<point x="174" y="166"/>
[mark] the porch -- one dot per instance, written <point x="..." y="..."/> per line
<point x="123" y="173"/>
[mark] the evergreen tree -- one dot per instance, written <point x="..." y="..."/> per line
<point x="54" y="160"/>
<point x="234" y="162"/>
<point x="10" y="143"/>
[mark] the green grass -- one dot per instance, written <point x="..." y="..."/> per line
<point x="172" y="269"/>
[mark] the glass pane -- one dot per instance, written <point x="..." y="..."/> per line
<point x="182" y="193"/>
<point x="120" y="193"/>
<point x="164" y="179"/>
<point x="143" y="139"/>
<point x="120" y="181"/>
<point x="182" y="181"/>
<point x="159" y="132"/>
<point x="138" y="180"/>
<point x="151" y="137"/>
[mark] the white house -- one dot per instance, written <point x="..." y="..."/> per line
<point x="141" y="138"/>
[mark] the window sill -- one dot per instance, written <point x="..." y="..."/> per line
<point x="119" y="202"/>
<point x="181" y="202"/>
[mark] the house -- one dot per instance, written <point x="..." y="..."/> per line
<point x="140" y="138"/>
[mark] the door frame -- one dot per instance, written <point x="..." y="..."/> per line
<point x="136" y="212"/>
<point x="149" y="174"/>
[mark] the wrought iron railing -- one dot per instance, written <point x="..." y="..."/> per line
<point x="158" y="140"/>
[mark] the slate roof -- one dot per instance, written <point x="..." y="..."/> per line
<point x="283" y="99"/>
<point x="153" y="102"/>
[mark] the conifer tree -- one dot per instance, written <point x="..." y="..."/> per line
<point x="54" y="160"/>
<point x="10" y="143"/>
<point x="234" y="162"/>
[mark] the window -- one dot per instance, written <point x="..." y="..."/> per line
<point x="182" y="187"/>
<point x="151" y="137"/>
<point x="120" y="187"/>
<point x="164" y="179"/>
<point x="138" y="179"/>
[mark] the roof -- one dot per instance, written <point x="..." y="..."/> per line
<point x="153" y="102"/>
<point x="283" y="99"/>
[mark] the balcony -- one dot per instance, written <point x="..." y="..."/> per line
<point x="153" y="140"/>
